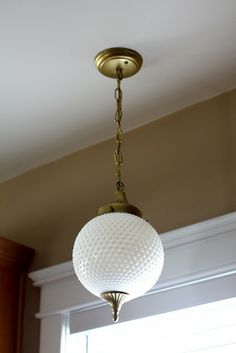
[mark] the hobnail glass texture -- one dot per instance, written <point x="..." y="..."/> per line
<point x="118" y="252"/>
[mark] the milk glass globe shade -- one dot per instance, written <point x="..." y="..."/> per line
<point x="118" y="252"/>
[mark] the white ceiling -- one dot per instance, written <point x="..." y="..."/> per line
<point x="53" y="100"/>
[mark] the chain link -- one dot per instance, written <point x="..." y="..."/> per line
<point x="118" y="117"/>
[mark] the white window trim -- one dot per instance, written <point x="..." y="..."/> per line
<point x="200" y="267"/>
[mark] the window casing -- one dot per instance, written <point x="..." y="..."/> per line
<point x="208" y="328"/>
<point x="200" y="268"/>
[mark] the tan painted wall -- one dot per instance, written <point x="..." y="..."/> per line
<point x="178" y="170"/>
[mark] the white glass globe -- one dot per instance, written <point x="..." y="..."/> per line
<point x="118" y="252"/>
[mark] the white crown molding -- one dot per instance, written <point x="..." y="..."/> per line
<point x="52" y="273"/>
<point x="197" y="232"/>
<point x="162" y="286"/>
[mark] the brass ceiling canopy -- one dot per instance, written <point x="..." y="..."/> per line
<point x="128" y="60"/>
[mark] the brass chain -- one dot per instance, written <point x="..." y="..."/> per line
<point x="118" y="117"/>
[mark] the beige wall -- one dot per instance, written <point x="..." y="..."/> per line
<point x="178" y="170"/>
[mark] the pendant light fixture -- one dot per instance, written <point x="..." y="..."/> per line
<point x="118" y="255"/>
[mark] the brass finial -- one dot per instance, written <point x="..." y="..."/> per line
<point x="115" y="299"/>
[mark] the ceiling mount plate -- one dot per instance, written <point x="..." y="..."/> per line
<point x="109" y="60"/>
